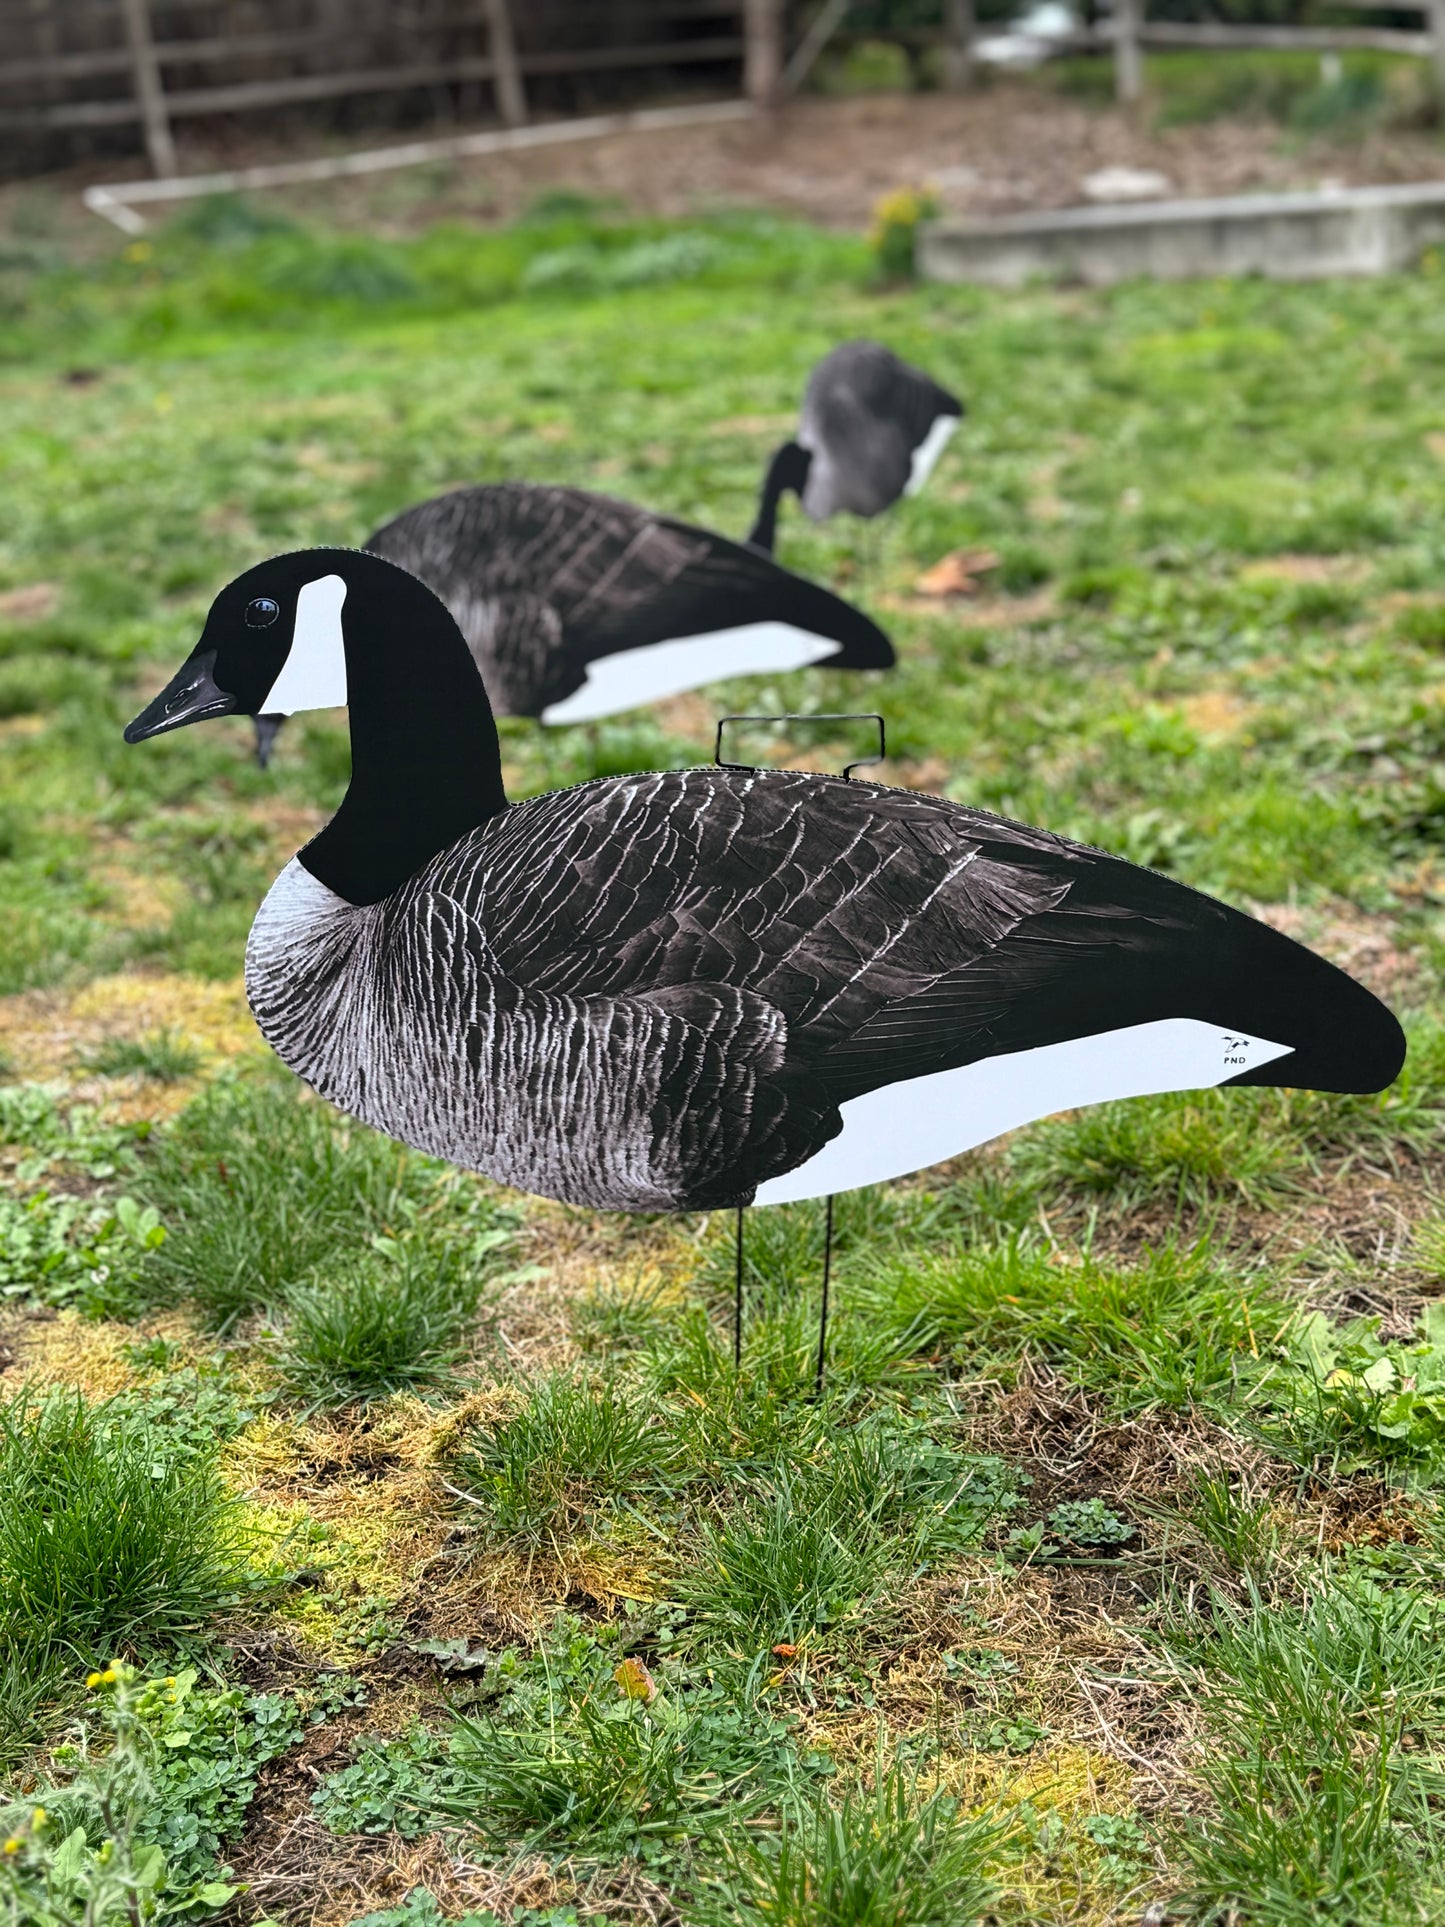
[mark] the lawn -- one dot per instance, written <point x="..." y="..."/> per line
<point x="427" y="1554"/>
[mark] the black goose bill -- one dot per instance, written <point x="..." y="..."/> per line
<point x="191" y="696"/>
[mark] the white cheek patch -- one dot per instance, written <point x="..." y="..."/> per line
<point x="925" y="456"/>
<point x="313" y="675"/>
<point x="634" y="677"/>
<point x="906" y="1127"/>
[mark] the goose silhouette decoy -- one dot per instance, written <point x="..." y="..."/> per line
<point x="576" y="606"/>
<point x="872" y="429"/>
<point x="706" y="987"/>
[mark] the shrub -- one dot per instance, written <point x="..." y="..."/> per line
<point x="893" y="237"/>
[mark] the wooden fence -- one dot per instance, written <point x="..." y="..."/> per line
<point x="85" y="77"/>
<point x="81" y="77"/>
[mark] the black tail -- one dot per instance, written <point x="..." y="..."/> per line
<point x="788" y="469"/>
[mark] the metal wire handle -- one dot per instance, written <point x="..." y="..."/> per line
<point x="820" y="716"/>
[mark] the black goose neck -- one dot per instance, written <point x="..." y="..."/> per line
<point x="786" y="470"/>
<point x="426" y="766"/>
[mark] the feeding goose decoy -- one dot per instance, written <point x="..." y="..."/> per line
<point x="576" y="606"/>
<point x="706" y="987"/>
<point x="871" y="430"/>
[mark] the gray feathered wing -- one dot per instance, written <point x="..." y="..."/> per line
<point x="736" y="932"/>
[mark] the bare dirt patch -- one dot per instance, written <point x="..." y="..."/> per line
<point x="1008" y="147"/>
<point x="1005" y="148"/>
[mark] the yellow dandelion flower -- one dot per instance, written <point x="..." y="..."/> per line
<point x="93" y="1680"/>
<point x="12" y="1845"/>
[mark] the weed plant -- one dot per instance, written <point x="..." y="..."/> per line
<point x="587" y="1750"/>
<point x="1344" y="1401"/>
<point x="74" y="1251"/>
<point x="133" y="1829"/>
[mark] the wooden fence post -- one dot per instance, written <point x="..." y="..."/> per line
<point x="763" y="54"/>
<point x="1435" y="21"/>
<point x="1128" y="66"/>
<point x="959" y="24"/>
<point x="149" y="92"/>
<point x="507" y="80"/>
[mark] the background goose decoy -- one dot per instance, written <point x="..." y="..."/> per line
<point x="576" y="606"/>
<point x="710" y="986"/>
<point x="872" y="429"/>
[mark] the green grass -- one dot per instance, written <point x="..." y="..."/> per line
<point x="893" y="1856"/>
<point x="818" y="1548"/>
<point x="1173" y="1328"/>
<point x="576" y="1444"/>
<point x="1326" y="1719"/>
<point x="259" y="1186"/>
<point x="1167" y="1363"/>
<point x="112" y="1536"/>
<point x="165" y="1057"/>
<point x="396" y="1321"/>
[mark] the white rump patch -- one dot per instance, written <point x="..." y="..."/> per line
<point x="313" y="675"/>
<point x="925" y="456"/>
<point x="907" y="1126"/>
<point x="634" y="677"/>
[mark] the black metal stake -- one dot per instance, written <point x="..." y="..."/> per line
<point x="738" y="1298"/>
<point x="823" y="1315"/>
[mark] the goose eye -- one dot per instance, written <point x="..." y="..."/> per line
<point x="261" y="613"/>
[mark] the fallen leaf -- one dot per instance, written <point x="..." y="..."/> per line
<point x="635" y="1680"/>
<point x="957" y="573"/>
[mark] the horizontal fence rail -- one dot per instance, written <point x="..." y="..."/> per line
<point x="71" y="67"/>
<point x="81" y="76"/>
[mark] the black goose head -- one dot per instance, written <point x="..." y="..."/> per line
<point x="323" y="627"/>
<point x="273" y="643"/>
